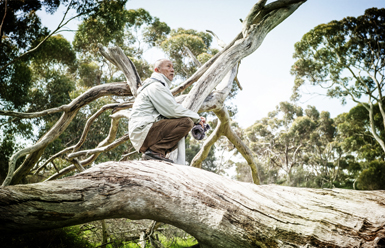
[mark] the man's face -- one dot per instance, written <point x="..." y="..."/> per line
<point x="166" y="69"/>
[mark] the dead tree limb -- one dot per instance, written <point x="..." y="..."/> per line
<point x="101" y="149"/>
<point x="224" y="129"/>
<point x="35" y="151"/>
<point x="119" y="59"/>
<point x="241" y="48"/>
<point x="5" y="14"/>
<point x="215" y="103"/>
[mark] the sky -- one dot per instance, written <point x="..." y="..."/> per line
<point x="265" y="74"/>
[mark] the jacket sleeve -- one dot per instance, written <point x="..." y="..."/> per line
<point x="164" y="102"/>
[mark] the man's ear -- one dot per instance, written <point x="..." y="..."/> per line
<point x="156" y="69"/>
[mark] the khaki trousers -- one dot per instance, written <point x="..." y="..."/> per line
<point x="165" y="134"/>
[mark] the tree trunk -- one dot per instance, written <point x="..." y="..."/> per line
<point x="219" y="212"/>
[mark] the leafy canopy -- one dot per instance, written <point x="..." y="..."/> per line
<point x="347" y="57"/>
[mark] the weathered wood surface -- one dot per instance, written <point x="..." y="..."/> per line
<point x="218" y="211"/>
<point x="272" y="15"/>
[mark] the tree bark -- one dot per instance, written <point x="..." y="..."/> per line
<point x="219" y="212"/>
<point x="273" y="14"/>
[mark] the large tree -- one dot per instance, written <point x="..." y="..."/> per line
<point x="221" y="212"/>
<point x="347" y="58"/>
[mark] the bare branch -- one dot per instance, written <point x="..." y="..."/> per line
<point x="236" y="78"/>
<point x="89" y="122"/>
<point x="209" y="142"/>
<point x="109" y="147"/>
<point x="192" y="56"/>
<point x="231" y="56"/>
<point x="61" y="173"/>
<point x="220" y="42"/>
<point x="252" y="15"/>
<point x="5" y="13"/>
<point x="199" y="73"/>
<point x="105" y="54"/>
<point x="260" y="11"/>
<point x="126" y="155"/>
<point x="136" y="190"/>
<point x="119" y="59"/>
<point x="53" y="157"/>
<point x="77" y="164"/>
<point x="54" y="165"/>
<point x="34" y="114"/>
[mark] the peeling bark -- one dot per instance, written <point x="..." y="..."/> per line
<point x="219" y="212"/>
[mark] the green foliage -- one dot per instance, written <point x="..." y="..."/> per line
<point x="373" y="177"/>
<point x="54" y="74"/>
<point x="351" y="44"/>
<point x="68" y="237"/>
<point x="281" y="135"/>
<point x="53" y="51"/>
<point x="156" y="32"/>
<point x="105" y="26"/>
<point x="354" y="133"/>
<point x="345" y="57"/>
<point x="315" y="150"/>
<point x="177" y="242"/>
<point x="198" y="43"/>
<point x="193" y="147"/>
<point x="90" y="74"/>
<point x="294" y="149"/>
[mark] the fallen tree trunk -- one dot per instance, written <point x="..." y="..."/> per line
<point x="219" y="212"/>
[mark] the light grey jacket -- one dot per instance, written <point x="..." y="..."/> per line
<point x="154" y="99"/>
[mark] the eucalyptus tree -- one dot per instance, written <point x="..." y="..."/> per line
<point x="280" y="138"/>
<point x="303" y="144"/>
<point x="355" y="139"/>
<point x="346" y="57"/>
<point x="219" y="212"/>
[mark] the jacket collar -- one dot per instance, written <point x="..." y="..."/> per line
<point x="162" y="78"/>
<point x="158" y="77"/>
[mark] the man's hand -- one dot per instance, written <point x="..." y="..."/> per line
<point x="203" y="121"/>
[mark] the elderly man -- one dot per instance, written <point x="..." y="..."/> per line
<point x="157" y="121"/>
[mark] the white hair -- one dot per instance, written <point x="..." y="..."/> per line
<point x="159" y="62"/>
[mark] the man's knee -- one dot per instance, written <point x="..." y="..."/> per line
<point x="187" y="122"/>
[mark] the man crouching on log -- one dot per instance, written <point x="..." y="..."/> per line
<point x="157" y="122"/>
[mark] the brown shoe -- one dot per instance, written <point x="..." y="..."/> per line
<point x="151" y="155"/>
